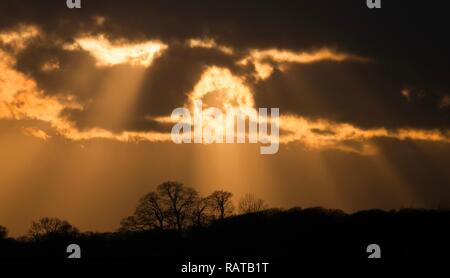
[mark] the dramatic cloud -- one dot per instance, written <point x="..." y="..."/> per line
<point x="262" y="59"/>
<point x="323" y="134"/>
<point x="108" y="54"/>
<point x="227" y="91"/>
<point x="210" y="43"/>
<point x="330" y="89"/>
<point x="216" y="87"/>
<point x="21" y="99"/>
<point x="367" y="95"/>
<point x="17" y="38"/>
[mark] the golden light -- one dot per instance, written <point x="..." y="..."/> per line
<point x="21" y="99"/>
<point x="211" y="44"/>
<point x="305" y="57"/>
<point x="218" y="87"/>
<point x="263" y="59"/>
<point x="36" y="132"/>
<point x="110" y="53"/>
<point x="19" y="37"/>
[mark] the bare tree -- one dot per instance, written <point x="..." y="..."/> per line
<point x="3" y="232"/>
<point x="221" y="203"/>
<point x="150" y="213"/>
<point x="50" y="226"/>
<point x="129" y="224"/>
<point x="201" y="211"/>
<point x="248" y="204"/>
<point x="179" y="201"/>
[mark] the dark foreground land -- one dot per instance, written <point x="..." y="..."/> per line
<point x="268" y="235"/>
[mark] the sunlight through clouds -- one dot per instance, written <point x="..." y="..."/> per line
<point x="218" y="87"/>
<point x="110" y="53"/>
<point x="20" y="97"/>
<point x="324" y="134"/>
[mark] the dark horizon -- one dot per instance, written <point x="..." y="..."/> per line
<point x="255" y="234"/>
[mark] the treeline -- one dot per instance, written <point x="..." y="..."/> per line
<point x="172" y="206"/>
<point x="175" y="221"/>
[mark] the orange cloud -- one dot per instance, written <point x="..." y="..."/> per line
<point x="18" y="37"/>
<point x="262" y="60"/>
<point x="21" y="99"/>
<point x="109" y="53"/>
<point x="218" y="87"/>
<point x="210" y="43"/>
<point x="322" y="134"/>
<point x="406" y="94"/>
<point x="286" y="56"/>
<point x="35" y="132"/>
<point x="52" y="65"/>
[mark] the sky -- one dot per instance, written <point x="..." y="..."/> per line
<point x="86" y="97"/>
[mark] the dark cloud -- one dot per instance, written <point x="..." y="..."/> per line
<point x="365" y="94"/>
<point x="405" y="40"/>
<point x="77" y="74"/>
<point x="164" y="87"/>
<point x="174" y="75"/>
<point x="400" y="29"/>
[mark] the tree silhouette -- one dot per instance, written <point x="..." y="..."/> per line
<point x="221" y="203"/>
<point x="150" y="213"/>
<point x="249" y="203"/>
<point x="3" y="232"/>
<point x="299" y="232"/>
<point x="171" y="206"/>
<point x="179" y="201"/>
<point x="51" y="226"/>
<point x="201" y="212"/>
<point x="131" y="224"/>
